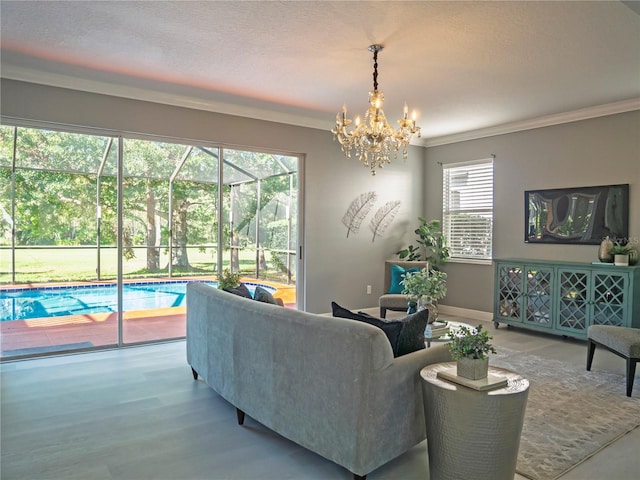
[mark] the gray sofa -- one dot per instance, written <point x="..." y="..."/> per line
<point x="329" y="384"/>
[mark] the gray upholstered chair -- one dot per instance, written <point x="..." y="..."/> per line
<point x="623" y="341"/>
<point x="395" y="300"/>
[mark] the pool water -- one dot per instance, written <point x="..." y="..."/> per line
<point x="29" y="303"/>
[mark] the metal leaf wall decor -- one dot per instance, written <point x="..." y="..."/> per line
<point x="358" y="209"/>
<point x="383" y="218"/>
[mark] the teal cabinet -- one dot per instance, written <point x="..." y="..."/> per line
<point x="565" y="298"/>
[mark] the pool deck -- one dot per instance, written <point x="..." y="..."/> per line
<point x="22" y="338"/>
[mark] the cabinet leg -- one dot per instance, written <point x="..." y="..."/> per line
<point x="496" y="324"/>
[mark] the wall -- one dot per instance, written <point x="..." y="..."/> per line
<point x="599" y="151"/>
<point x="337" y="268"/>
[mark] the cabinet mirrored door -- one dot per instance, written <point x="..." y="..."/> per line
<point x="539" y="288"/>
<point x="510" y="292"/>
<point x="573" y="300"/>
<point x="609" y="302"/>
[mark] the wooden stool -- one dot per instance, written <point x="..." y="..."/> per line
<point x="623" y="341"/>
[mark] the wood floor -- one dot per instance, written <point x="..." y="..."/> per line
<point x="138" y="414"/>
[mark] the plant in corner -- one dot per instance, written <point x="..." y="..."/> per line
<point x="471" y="348"/>
<point x="228" y="280"/>
<point x="431" y="239"/>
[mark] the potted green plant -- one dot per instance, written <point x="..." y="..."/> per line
<point x="228" y="280"/>
<point x="620" y="254"/>
<point x="425" y="287"/>
<point x="470" y="348"/>
<point x="431" y="240"/>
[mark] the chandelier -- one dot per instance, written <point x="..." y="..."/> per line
<point x="374" y="140"/>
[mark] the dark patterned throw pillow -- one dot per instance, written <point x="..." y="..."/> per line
<point x="391" y="329"/>
<point x="241" y="290"/>
<point x="263" y="295"/>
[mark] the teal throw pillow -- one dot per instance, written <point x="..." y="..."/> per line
<point x="396" y="277"/>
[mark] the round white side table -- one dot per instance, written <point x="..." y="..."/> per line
<point x="473" y="434"/>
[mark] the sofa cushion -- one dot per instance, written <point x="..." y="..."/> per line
<point x="241" y="290"/>
<point x="391" y="329"/>
<point x="396" y="277"/>
<point x="263" y="295"/>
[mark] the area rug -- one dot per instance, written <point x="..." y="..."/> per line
<point x="571" y="413"/>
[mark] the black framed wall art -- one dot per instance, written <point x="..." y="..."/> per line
<point x="583" y="215"/>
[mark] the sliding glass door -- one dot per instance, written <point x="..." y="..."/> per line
<point x="53" y="248"/>
<point x="100" y="234"/>
<point x="260" y="205"/>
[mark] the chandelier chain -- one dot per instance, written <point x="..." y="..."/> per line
<point x="375" y="69"/>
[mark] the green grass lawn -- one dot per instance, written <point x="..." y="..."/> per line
<point x="39" y="265"/>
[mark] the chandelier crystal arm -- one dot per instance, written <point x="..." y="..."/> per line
<point x="373" y="140"/>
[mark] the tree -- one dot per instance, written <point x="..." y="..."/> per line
<point x="66" y="194"/>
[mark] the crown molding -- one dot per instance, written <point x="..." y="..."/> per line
<point x="27" y="75"/>
<point x="546" y="121"/>
<point x="11" y="72"/>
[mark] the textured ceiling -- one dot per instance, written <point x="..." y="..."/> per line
<point x="464" y="66"/>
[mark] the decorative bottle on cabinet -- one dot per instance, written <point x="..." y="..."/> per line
<point x="604" y="254"/>
<point x="633" y="254"/>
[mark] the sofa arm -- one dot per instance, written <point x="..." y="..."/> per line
<point x="395" y="406"/>
<point x="435" y="354"/>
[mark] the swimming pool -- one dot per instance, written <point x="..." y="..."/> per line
<point x="43" y="302"/>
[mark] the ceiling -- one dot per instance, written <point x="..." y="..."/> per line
<point x="469" y="69"/>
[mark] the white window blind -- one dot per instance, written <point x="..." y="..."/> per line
<point x="467" y="209"/>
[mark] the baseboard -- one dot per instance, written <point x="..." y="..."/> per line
<point x="466" y="313"/>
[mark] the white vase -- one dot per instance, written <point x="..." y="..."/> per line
<point x="603" y="251"/>
<point x="473" y="368"/>
<point x="621" y="260"/>
<point x="431" y="306"/>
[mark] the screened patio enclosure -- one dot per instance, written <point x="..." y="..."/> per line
<point x="89" y="208"/>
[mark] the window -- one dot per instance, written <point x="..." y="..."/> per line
<point x="467" y="209"/>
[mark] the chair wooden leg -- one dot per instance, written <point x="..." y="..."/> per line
<point x="631" y="372"/>
<point x="592" y="349"/>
